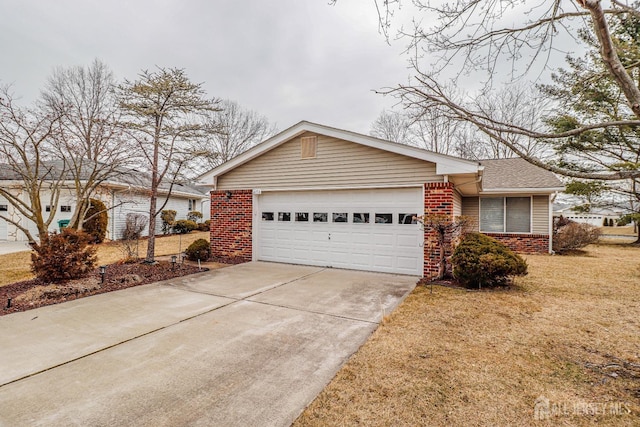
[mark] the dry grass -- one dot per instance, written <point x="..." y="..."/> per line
<point x="15" y="267"/>
<point x="619" y="231"/>
<point x="568" y="332"/>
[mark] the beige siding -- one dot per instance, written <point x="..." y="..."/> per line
<point x="457" y="204"/>
<point x="338" y="164"/>
<point x="541" y="214"/>
<point x="470" y="208"/>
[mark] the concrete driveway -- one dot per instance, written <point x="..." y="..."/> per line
<point x="251" y="344"/>
<point x="12" y="247"/>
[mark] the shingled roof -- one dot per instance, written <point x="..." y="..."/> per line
<point x="517" y="174"/>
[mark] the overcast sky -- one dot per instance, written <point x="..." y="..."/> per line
<point x="289" y="60"/>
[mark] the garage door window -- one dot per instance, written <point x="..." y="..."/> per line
<point x="267" y="216"/>
<point x="4" y="208"/>
<point x="360" y="218"/>
<point x="384" y="218"/>
<point x="320" y="217"/>
<point x="341" y="217"/>
<point x="405" y="218"/>
<point x="302" y="216"/>
<point x="284" y="216"/>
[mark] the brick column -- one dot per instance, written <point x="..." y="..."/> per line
<point x="438" y="199"/>
<point x="231" y="225"/>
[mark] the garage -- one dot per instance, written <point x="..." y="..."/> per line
<point x="372" y="229"/>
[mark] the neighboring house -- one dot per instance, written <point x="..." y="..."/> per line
<point x="595" y="216"/>
<point x="128" y="193"/>
<point x="321" y="196"/>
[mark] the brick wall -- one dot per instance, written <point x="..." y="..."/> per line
<point x="524" y="243"/>
<point x="438" y="199"/>
<point x="231" y="223"/>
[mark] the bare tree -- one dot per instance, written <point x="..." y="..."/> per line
<point x="231" y="130"/>
<point x="163" y="112"/>
<point x="26" y="171"/>
<point x="89" y="138"/>
<point x="393" y="126"/>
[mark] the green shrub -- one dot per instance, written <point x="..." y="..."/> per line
<point x="481" y="261"/>
<point x="63" y="256"/>
<point x="204" y="226"/>
<point x="168" y="218"/>
<point x="198" y="250"/>
<point x="96" y="224"/>
<point x="184" y="226"/>
<point x="194" y="216"/>
<point x="574" y="236"/>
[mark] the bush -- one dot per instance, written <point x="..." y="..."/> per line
<point x="63" y="256"/>
<point x="96" y="224"/>
<point x="198" y="250"/>
<point x="194" y="216"/>
<point x="480" y="260"/>
<point x="184" y="226"/>
<point x="574" y="236"/>
<point x="204" y="226"/>
<point x="168" y="218"/>
<point x="133" y="228"/>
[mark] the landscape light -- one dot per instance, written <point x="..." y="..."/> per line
<point x="103" y="271"/>
<point x="173" y="262"/>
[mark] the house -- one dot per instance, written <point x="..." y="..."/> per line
<point x="595" y="216"/>
<point x="322" y="196"/>
<point x="124" y="194"/>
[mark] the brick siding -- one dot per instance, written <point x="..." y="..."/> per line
<point x="231" y="225"/>
<point x="524" y="243"/>
<point x="438" y="199"/>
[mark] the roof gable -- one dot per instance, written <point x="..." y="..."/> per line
<point x="444" y="164"/>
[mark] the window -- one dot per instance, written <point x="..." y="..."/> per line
<point x="47" y="208"/>
<point x="384" y="218"/>
<point x="192" y="205"/>
<point x="340" y="217"/>
<point x="4" y="208"/>
<point x="302" y="216"/>
<point x="404" y="218"/>
<point x="267" y="216"/>
<point x="284" y="216"/>
<point x="65" y="208"/>
<point x="320" y="217"/>
<point x="360" y="218"/>
<point x="505" y="214"/>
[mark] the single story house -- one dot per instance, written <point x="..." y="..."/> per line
<point x="128" y="193"/>
<point x="595" y="216"/>
<point x="322" y="196"/>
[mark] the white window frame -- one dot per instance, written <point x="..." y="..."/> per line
<point x="504" y="216"/>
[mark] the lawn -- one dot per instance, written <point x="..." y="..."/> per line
<point x="619" y="231"/>
<point x="15" y="267"/>
<point x="569" y="332"/>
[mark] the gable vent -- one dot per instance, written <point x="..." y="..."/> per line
<point x="308" y="147"/>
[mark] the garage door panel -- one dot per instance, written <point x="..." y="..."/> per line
<point x="359" y="245"/>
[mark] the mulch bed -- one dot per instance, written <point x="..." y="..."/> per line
<point x="35" y="293"/>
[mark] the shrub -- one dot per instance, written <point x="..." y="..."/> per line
<point x="63" y="256"/>
<point x="168" y="218"/>
<point x="194" y="216"/>
<point x="96" y="224"/>
<point x="574" y="236"/>
<point x="184" y="226"/>
<point x="605" y="223"/>
<point x="204" y="226"/>
<point x="198" y="250"/>
<point x="133" y="228"/>
<point x="480" y="260"/>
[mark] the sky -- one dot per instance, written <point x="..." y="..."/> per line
<point x="289" y="60"/>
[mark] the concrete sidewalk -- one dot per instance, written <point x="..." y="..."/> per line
<point x="251" y="344"/>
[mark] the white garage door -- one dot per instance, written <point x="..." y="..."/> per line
<point x="372" y="230"/>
